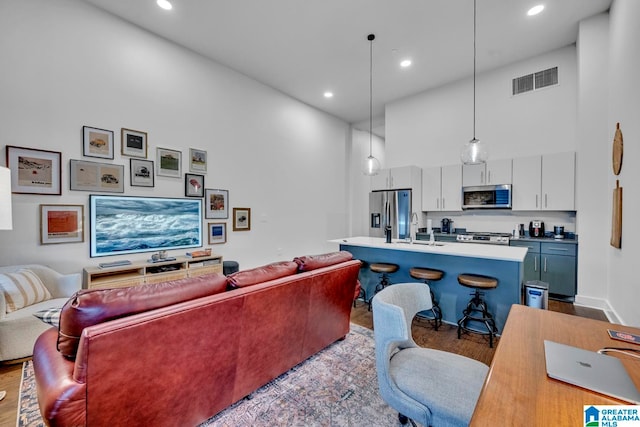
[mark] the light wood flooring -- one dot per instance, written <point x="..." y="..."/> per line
<point x="472" y="345"/>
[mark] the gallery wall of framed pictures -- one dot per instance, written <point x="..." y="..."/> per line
<point x="36" y="171"/>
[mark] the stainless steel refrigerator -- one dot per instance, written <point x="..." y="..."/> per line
<point x="392" y="208"/>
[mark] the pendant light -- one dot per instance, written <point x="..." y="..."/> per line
<point x="371" y="164"/>
<point x="474" y="151"/>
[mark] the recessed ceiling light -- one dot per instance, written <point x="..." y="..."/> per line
<point x="328" y="94"/>
<point x="405" y="63"/>
<point x="164" y="4"/>
<point x="535" y="10"/>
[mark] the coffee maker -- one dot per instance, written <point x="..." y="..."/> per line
<point x="536" y="228"/>
<point x="446" y="225"/>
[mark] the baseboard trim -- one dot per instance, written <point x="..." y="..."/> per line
<point x="598" y="303"/>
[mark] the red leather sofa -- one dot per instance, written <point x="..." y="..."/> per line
<point x="179" y="363"/>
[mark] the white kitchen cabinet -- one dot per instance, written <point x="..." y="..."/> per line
<point x="558" y="181"/>
<point x="493" y="172"/>
<point x="544" y="182"/>
<point x="442" y="188"/>
<point x="527" y="181"/>
<point x="405" y="177"/>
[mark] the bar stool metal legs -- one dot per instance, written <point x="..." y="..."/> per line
<point x="476" y="310"/>
<point x="384" y="269"/>
<point x="428" y="274"/>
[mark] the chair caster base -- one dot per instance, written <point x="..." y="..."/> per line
<point x="404" y="420"/>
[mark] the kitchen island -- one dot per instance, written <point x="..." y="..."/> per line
<point x="505" y="263"/>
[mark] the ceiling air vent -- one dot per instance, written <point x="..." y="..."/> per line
<point x="535" y="81"/>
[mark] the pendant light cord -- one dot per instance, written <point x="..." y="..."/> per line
<point x="474" y="70"/>
<point x="371" y="37"/>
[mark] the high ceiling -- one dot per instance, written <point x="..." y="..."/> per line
<point x="305" y="47"/>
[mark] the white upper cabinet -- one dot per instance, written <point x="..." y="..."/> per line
<point x="431" y="189"/>
<point x="405" y="177"/>
<point x="544" y="182"/>
<point x="559" y="181"/>
<point x="493" y="172"/>
<point x="442" y="188"/>
<point x="527" y="176"/>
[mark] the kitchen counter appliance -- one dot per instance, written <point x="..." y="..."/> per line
<point x="486" y="238"/>
<point x="536" y="228"/>
<point x="487" y="197"/>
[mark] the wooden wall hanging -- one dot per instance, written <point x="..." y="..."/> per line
<point x="617" y="151"/>
<point x="616" y="210"/>
<point x="616" y="218"/>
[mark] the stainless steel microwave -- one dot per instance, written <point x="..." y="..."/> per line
<point x="487" y="197"/>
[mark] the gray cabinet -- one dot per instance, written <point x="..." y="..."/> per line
<point x="552" y="263"/>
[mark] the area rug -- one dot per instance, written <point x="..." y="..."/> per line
<point x="335" y="387"/>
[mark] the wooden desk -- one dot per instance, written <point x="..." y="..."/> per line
<point x="517" y="390"/>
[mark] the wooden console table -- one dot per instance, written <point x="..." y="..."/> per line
<point x="517" y="390"/>
<point x="142" y="272"/>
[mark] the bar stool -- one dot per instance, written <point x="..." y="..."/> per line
<point x="477" y="308"/>
<point x="384" y="269"/>
<point x="429" y="275"/>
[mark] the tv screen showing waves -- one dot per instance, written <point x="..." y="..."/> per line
<point x="127" y="224"/>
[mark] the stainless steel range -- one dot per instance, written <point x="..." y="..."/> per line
<point x="487" y="238"/>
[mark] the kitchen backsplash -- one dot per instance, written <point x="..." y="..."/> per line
<point x="503" y="221"/>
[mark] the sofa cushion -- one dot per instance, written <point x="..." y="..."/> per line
<point x="262" y="274"/>
<point x="93" y="306"/>
<point x="21" y="289"/>
<point x="312" y="262"/>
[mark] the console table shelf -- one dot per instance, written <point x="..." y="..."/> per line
<point x="143" y="272"/>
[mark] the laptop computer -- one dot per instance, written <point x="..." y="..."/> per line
<point x="588" y="369"/>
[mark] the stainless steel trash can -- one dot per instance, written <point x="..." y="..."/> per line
<point x="536" y="294"/>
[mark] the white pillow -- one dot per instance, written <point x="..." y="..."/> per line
<point x="21" y="289"/>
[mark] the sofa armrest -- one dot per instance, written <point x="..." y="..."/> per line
<point x="66" y="285"/>
<point x="61" y="398"/>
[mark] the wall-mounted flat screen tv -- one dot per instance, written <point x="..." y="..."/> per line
<point x="126" y="224"/>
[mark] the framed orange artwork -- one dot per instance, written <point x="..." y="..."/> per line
<point x="61" y="224"/>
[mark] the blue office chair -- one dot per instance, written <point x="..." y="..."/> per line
<point x="431" y="387"/>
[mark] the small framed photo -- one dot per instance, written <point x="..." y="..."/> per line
<point x="217" y="232"/>
<point x="193" y="185"/>
<point x="97" y="142"/>
<point x="241" y="219"/>
<point x="197" y="160"/>
<point x="141" y="172"/>
<point x="61" y="224"/>
<point x="93" y="176"/>
<point x="134" y="143"/>
<point x="34" y="171"/>
<point x="216" y="203"/>
<point x="169" y="162"/>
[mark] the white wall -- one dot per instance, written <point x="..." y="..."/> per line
<point x="430" y="128"/>
<point x="624" y="107"/>
<point x="361" y="184"/>
<point x="66" y="64"/>
<point x="593" y="165"/>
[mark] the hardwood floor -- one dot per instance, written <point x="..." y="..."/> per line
<point x="445" y="338"/>
<point x="471" y="345"/>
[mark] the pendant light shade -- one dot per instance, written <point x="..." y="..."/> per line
<point x="371" y="165"/>
<point x="474" y="152"/>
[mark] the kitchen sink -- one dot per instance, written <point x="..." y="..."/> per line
<point x="426" y="243"/>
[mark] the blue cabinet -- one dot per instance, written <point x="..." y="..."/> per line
<point x="551" y="262"/>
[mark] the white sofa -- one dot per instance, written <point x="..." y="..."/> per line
<point x="19" y="329"/>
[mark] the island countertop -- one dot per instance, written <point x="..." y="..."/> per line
<point x="504" y="263"/>
<point x="497" y="252"/>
